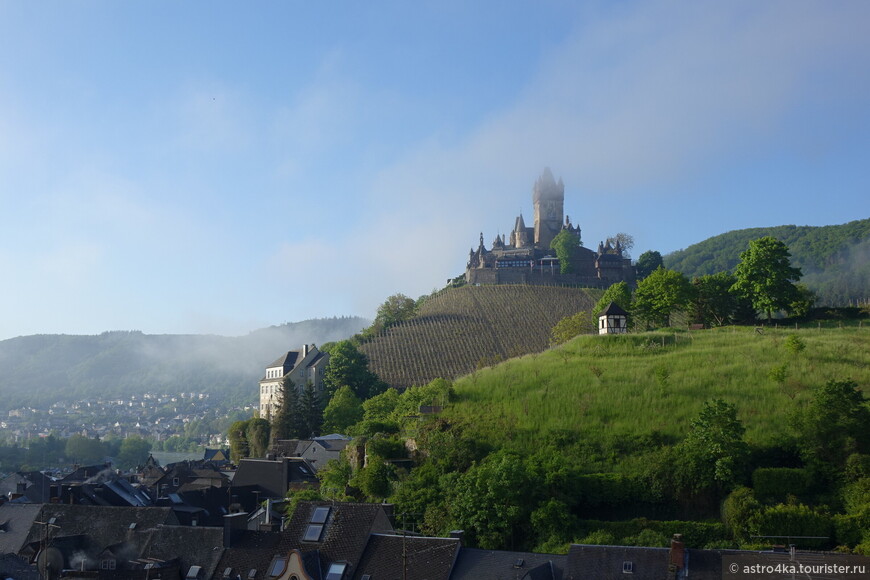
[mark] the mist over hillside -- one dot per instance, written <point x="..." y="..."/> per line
<point x="42" y="369"/>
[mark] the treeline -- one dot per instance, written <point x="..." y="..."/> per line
<point x="763" y="282"/>
<point x="40" y="453"/>
<point x="835" y="260"/>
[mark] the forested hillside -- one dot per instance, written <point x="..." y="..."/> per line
<point x="42" y="369"/>
<point x="835" y="260"/>
<point x="460" y="329"/>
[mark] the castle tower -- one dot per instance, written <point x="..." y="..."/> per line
<point x="549" y="200"/>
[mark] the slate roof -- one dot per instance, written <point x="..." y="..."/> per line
<point x="273" y="477"/>
<point x="345" y="534"/>
<point x="613" y="309"/>
<point x="104" y="526"/>
<point x="286" y="362"/>
<point x="251" y="550"/>
<point x="37" y="485"/>
<point x="424" y="558"/>
<point x="474" y="564"/>
<point x="607" y="562"/>
<point x="193" y="546"/>
<point x="16" y="519"/>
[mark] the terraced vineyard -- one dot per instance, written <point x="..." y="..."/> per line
<point x="460" y="329"/>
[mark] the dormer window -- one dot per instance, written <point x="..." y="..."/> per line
<point x="314" y="531"/>
<point x="336" y="571"/>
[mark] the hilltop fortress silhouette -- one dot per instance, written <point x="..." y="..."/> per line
<point x="526" y="257"/>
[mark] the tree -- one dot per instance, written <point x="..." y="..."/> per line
<point x="571" y="326"/>
<point x="490" y="500"/>
<point x="566" y="245"/>
<point x="625" y="241"/>
<point x="647" y="263"/>
<point x="835" y="424"/>
<point x="238" y="436"/>
<point x="310" y="411"/>
<point x="257" y="434"/>
<point x="714" y="302"/>
<point x="287" y="423"/>
<point x="84" y="450"/>
<point x="395" y="309"/>
<point x="375" y="479"/>
<point x="349" y="367"/>
<point x="803" y="301"/>
<point x="381" y="407"/>
<point x="344" y="410"/>
<point x="714" y="452"/>
<point x="765" y="276"/>
<point x="134" y="451"/>
<point x="618" y="293"/>
<point x="661" y="294"/>
<point x="334" y="478"/>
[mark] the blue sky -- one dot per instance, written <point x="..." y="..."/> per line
<point x="216" y="167"/>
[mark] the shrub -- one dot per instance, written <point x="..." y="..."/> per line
<point x="796" y="520"/>
<point x="775" y="484"/>
<point x="795" y="344"/>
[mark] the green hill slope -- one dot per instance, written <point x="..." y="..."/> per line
<point x="614" y="397"/>
<point x="835" y="259"/>
<point x="459" y="329"/>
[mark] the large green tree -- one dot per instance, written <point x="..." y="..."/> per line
<point x="395" y="309"/>
<point x="134" y="451"/>
<point x="344" y="410"/>
<point x="715" y="304"/>
<point x="490" y="501"/>
<point x="661" y="294"/>
<point x="311" y="411"/>
<point x="566" y="245"/>
<point x="287" y="423"/>
<point x="238" y="436"/>
<point x="714" y="453"/>
<point x="350" y="367"/>
<point x="619" y="293"/>
<point x="647" y="263"/>
<point x="766" y="277"/>
<point x="84" y="450"/>
<point x="258" y="434"/>
<point x="833" y="425"/>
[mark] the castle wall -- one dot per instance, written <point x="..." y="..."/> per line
<point x="531" y="277"/>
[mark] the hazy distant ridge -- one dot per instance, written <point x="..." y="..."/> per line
<point x="41" y="369"/>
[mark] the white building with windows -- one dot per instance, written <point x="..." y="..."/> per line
<point x="300" y="366"/>
<point x="613" y="320"/>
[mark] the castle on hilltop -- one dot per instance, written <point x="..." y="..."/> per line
<point x="526" y="258"/>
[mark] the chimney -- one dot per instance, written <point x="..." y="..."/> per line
<point x="232" y="524"/>
<point x="457" y="535"/>
<point x="304" y="350"/>
<point x="677" y="559"/>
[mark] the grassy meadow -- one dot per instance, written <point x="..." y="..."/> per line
<point x="623" y="394"/>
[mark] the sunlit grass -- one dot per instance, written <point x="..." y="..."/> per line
<point x="598" y="388"/>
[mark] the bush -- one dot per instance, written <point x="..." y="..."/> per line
<point x="695" y="534"/>
<point x="737" y="512"/>
<point x="775" y="484"/>
<point x="796" y="520"/>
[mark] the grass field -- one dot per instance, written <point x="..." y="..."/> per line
<point x="620" y="391"/>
